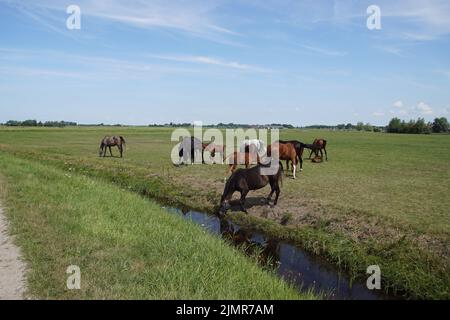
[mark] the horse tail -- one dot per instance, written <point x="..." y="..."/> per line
<point x="281" y="173"/>
<point x="123" y="141"/>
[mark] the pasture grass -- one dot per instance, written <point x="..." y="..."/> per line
<point x="380" y="198"/>
<point x="127" y="247"/>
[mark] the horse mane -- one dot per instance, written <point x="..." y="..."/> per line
<point x="228" y="185"/>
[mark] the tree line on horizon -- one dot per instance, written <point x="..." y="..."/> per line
<point x="396" y="125"/>
<point x="419" y="126"/>
<point x="35" y="123"/>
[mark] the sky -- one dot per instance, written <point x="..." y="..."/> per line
<point x="243" y="61"/>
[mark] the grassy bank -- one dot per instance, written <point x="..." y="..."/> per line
<point x="126" y="247"/>
<point x="381" y="199"/>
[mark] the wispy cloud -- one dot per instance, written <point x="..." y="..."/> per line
<point x="195" y="17"/>
<point x="424" y="109"/>
<point x="40" y="72"/>
<point x="398" y="104"/>
<point x="211" y="61"/>
<point x="420" y="109"/>
<point x="394" y="50"/>
<point x="324" y="51"/>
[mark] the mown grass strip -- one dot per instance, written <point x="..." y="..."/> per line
<point x="126" y="247"/>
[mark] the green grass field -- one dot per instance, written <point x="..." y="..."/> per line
<point x="380" y="199"/>
<point x="126" y="247"/>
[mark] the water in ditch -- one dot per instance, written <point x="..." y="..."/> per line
<point x="293" y="264"/>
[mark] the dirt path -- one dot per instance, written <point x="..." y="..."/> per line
<point x="12" y="269"/>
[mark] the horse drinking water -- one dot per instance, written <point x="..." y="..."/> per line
<point x="244" y="180"/>
<point x="108" y="142"/>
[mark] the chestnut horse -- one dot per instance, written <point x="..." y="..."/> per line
<point x="317" y="146"/>
<point x="215" y="148"/>
<point x="108" y="142"/>
<point x="299" y="148"/>
<point x="286" y="151"/>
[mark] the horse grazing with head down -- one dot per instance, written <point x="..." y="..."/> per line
<point x="189" y="150"/>
<point x="317" y="146"/>
<point x="244" y="180"/>
<point x="108" y="142"/>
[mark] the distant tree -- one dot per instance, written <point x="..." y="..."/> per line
<point x="418" y="126"/>
<point x="29" y="123"/>
<point x="440" y="125"/>
<point x="348" y="126"/>
<point x="359" y="126"/>
<point x="394" y="126"/>
<point x="368" y="127"/>
<point x="341" y="126"/>
<point x="12" y="123"/>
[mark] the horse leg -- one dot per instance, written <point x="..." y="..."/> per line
<point x="310" y="154"/>
<point x="321" y="154"/>
<point x="277" y="194"/>
<point x="326" y="155"/>
<point x="294" y="166"/>
<point x="121" y="151"/>
<point x="110" y="152"/>
<point x="244" y="193"/>
<point x="270" y="195"/>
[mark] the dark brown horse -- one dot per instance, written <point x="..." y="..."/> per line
<point x="286" y="151"/>
<point x="244" y="180"/>
<point x="108" y="142"/>
<point x="237" y="158"/>
<point x="317" y="146"/>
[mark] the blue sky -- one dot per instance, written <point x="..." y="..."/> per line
<point x="247" y="61"/>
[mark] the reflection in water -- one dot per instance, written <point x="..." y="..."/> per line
<point x="293" y="264"/>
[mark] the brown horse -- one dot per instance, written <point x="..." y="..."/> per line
<point x="317" y="146"/>
<point x="108" y="142"/>
<point x="236" y="158"/>
<point x="244" y="180"/>
<point x="286" y="151"/>
<point x="299" y="148"/>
